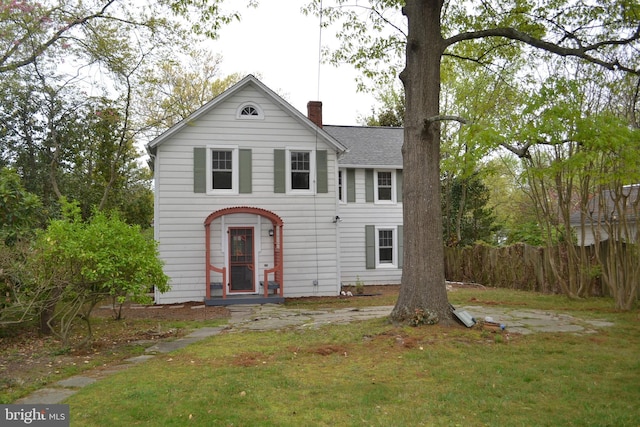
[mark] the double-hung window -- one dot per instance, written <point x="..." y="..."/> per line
<point x="385" y="192"/>
<point x="386" y="247"/>
<point x="222" y="169"/>
<point x="385" y="186"/>
<point x="223" y="175"/>
<point x="383" y="246"/>
<point x="300" y="170"/>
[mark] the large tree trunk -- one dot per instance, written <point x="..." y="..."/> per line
<point x="423" y="282"/>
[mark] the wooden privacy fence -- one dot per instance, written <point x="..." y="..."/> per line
<point x="518" y="266"/>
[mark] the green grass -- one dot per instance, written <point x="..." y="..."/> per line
<point x="373" y="373"/>
<point x="29" y="362"/>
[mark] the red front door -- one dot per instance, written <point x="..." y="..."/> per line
<point x="241" y="260"/>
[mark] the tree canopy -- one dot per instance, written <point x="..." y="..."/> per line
<point x="72" y="74"/>
<point x="71" y="119"/>
<point x="32" y="29"/>
<point x="510" y="38"/>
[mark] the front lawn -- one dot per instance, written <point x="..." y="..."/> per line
<point x="374" y="373"/>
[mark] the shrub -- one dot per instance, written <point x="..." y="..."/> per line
<point x="75" y="264"/>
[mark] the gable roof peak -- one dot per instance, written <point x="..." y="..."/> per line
<point x="249" y="79"/>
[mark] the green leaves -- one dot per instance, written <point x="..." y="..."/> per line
<point x="101" y="257"/>
<point x="19" y="209"/>
<point x="171" y="91"/>
<point x="206" y="16"/>
<point x="371" y="35"/>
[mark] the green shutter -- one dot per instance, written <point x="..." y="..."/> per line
<point x="199" y="170"/>
<point x="368" y="185"/>
<point x="370" y="246"/>
<point x="400" y="247"/>
<point x="322" y="184"/>
<point x="351" y="185"/>
<point x="279" y="171"/>
<point x="245" y="171"/>
<point x="399" y="185"/>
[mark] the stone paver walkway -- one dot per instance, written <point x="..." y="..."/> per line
<point x="274" y="317"/>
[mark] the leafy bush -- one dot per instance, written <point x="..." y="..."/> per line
<point x="74" y="264"/>
<point x="19" y="209"/>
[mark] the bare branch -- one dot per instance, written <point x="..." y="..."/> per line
<point x="521" y="152"/>
<point x="582" y="52"/>
<point x="371" y="9"/>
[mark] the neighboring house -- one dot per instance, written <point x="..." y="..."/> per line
<point x="255" y="202"/>
<point x="610" y="212"/>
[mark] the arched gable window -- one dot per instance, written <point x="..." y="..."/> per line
<point x="249" y="111"/>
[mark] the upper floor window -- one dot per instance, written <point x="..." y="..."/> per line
<point x="385" y="187"/>
<point x="223" y="176"/>
<point x="222" y="169"/>
<point x="300" y="170"/>
<point x="249" y="110"/>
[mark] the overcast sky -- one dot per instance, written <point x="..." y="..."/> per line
<point x="280" y="44"/>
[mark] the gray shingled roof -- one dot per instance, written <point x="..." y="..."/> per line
<point x="369" y="146"/>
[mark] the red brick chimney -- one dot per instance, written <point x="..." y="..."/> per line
<point x="314" y="112"/>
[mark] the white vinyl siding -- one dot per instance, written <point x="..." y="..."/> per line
<point x="353" y="242"/>
<point x="310" y="244"/>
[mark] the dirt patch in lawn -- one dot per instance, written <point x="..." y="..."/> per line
<point x="189" y="311"/>
<point x="29" y="360"/>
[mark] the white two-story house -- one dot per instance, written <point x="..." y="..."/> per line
<point x="255" y="202"/>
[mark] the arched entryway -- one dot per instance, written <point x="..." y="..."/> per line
<point x="239" y="254"/>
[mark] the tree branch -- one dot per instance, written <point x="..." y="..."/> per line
<point x="582" y="52"/>
<point x="374" y="10"/>
<point x="521" y="152"/>
<point x="54" y="38"/>
<point x="440" y="118"/>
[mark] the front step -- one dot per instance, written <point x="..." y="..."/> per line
<point x="244" y="299"/>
